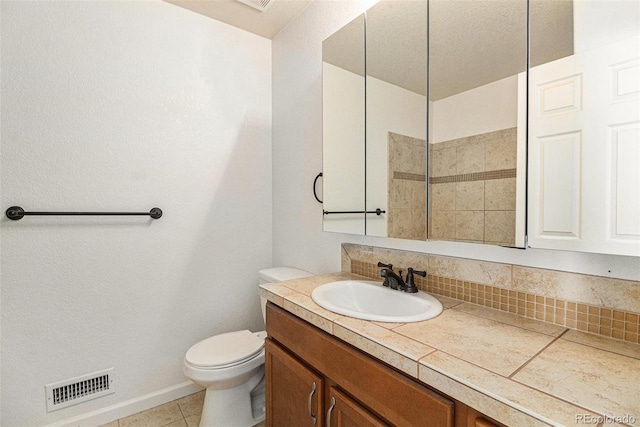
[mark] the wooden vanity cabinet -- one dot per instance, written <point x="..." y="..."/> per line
<point x="295" y="391"/>
<point x="346" y="412"/>
<point x="311" y="375"/>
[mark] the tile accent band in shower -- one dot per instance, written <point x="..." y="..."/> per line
<point x="477" y="176"/>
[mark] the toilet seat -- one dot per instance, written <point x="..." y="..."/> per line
<point x="226" y="350"/>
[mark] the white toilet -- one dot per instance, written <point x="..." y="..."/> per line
<point x="231" y="367"/>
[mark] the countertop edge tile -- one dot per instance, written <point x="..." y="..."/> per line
<point x="605" y="382"/>
<point x="392" y="353"/>
<point x="469" y="395"/>
<point x="540" y="405"/>
<point x="314" y="318"/>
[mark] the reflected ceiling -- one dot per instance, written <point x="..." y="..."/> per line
<point x="459" y="62"/>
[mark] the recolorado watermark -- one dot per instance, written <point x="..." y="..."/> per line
<point x="607" y="419"/>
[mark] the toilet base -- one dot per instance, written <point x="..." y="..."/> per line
<point x="231" y="407"/>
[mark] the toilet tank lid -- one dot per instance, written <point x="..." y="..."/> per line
<point x="280" y="274"/>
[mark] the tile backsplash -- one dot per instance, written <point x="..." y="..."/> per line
<point x="598" y="305"/>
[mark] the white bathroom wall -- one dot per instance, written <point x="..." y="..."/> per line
<point x="483" y="109"/>
<point x="123" y="106"/>
<point x="298" y="238"/>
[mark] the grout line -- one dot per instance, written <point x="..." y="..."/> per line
<point x="486" y="392"/>
<point x="537" y="354"/>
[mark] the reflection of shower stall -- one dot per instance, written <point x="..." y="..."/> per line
<point x="406" y="216"/>
<point x="473" y="188"/>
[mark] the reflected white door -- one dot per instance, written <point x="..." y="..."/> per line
<point x="584" y="151"/>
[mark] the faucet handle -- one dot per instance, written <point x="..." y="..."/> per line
<point x="411" y="286"/>
<point x="389" y="266"/>
<point x="419" y="273"/>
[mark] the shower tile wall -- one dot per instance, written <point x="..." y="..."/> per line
<point x="406" y="218"/>
<point x="473" y="188"/>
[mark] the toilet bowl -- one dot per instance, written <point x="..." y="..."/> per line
<point x="231" y="368"/>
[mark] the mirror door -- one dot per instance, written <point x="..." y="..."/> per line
<point x="343" y="129"/>
<point x="477" y="121"/>
<point x="396" y="80"/>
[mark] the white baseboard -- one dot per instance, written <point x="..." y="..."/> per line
<point x="130" y="407"/>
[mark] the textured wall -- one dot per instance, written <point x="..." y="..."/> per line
<point x="124" y="106"/>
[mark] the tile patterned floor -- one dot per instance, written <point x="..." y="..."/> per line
<point x="184" y="412"/>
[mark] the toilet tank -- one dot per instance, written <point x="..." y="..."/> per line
<point x="275" y="275"/>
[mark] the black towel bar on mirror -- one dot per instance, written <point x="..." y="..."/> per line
<point x="377" y="212"/>
<point x="16" y="212"/>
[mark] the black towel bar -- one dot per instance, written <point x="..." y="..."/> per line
<point x="16" y="212"/>
<point x="377" y="212"/>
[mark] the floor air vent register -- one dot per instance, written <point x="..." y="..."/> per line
<point x="80" y="389"/>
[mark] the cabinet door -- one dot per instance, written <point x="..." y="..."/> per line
<point x="481" y="422"/>
<point x="391" y="395"/>
<point x="469" y="417"/>
<point x="294" y="392"/>
<point x="345" y="412"/>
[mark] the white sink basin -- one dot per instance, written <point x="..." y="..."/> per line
<point x="372" y="301"/>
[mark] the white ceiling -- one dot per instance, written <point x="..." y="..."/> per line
<point x="266" y="24"/>
<point x="471" y="42"/>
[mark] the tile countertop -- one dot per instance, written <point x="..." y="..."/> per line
<point x="518" y="371"/>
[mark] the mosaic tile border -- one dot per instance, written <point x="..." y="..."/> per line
<point x="476" y="176"/>
<point x="608" y="322"/>
<point x="409" y="176"/>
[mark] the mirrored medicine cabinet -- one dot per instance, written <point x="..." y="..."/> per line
<point x="428" y="107"/>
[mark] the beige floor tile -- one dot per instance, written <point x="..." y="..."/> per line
<point x="180" y="423"/>
<point x="192" y="404"/>
<point x="111" y="424"/>
<point x="155" y="417"/>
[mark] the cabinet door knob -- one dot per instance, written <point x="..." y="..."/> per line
<point x="333" y="403"/>
<point x="313" y="391"/>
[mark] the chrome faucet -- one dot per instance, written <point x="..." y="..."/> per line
<point x="395" y="281"/>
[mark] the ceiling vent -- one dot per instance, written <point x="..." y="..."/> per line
<point x="78" y="390"/>
<point x="261" y="5"/>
